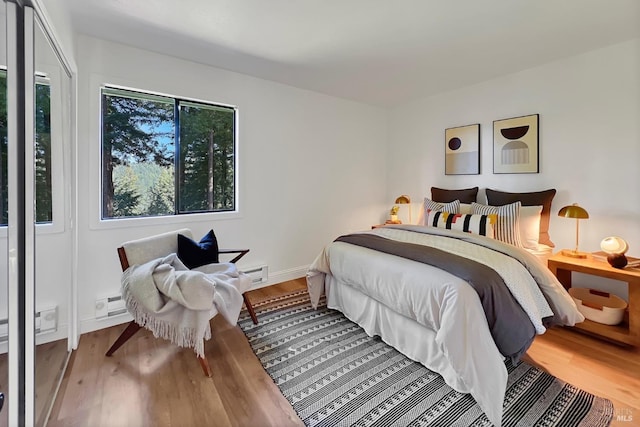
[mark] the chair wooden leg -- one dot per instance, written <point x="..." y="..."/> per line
<point x="124" y="336"/>
<point x="204" y="363"/>
<point x="252" y="313"/>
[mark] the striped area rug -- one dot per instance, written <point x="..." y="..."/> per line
<point x="334" y="374"/>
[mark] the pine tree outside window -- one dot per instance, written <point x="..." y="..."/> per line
<point x="165" y="156"/>
<point x="43" y="164"/>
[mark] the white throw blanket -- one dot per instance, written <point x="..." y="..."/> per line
<point x="176" y="303"/>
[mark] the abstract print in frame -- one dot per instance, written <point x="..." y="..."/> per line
<point x="462" y="150"/>
<point x="515" y="145"/>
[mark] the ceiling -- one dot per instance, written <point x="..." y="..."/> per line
<point x="379" y="52"/>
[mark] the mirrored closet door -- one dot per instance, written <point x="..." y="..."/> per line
<point x="35" y="211"/>
<point x="53" y="240"/>
<point x="4" y="305"/>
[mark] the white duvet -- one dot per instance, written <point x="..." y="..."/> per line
<point x="431" y="315"/>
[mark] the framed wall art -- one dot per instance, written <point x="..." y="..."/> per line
<point x="462" y="150"/>
<point x="515" y="145"/>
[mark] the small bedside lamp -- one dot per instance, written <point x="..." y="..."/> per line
<point x="615" y="248"/>
<point x="574" y="211"/>
<point x="405" y="200"/>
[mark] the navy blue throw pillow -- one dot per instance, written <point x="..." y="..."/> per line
<point x="195" y="254"/>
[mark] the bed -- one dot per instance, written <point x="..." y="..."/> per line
<point x="410" y="285"/>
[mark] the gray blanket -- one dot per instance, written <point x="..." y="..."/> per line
<point x="176" y="303"/>
<point x="510" y="326"/>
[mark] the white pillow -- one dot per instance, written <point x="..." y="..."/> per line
<point x="473" y="224"/>
<point x="530" y="226"/>
<point x="465" y="208"/>
<point x="430" y="205"/>
<point x="507" y="227"/>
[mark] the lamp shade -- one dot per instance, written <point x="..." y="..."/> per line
<point x="573" y="211"/>
<point x="403" y="199"/>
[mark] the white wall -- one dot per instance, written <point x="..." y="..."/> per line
<point x="58" y="20"/>
<point x="311" y="167"/>
<point x="589" y="107"/>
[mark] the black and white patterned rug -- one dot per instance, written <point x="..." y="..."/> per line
<point x="334" y="374"/>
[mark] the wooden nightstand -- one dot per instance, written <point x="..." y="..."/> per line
<point x="382" y="225"/>
<point x="627" y="332"/>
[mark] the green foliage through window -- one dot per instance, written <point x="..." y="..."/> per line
<point x="44" y="198"/>
<point x="165" y="156"/>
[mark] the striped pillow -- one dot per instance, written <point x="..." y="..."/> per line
<point x="430" y="205"/>
<point x="508" y="224"/>
<point x="451" y="207"/>
<point x="474" y="224"/>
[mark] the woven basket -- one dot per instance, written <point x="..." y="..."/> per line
<point x="601" y="307"/>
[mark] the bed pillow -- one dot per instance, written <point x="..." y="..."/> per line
<point x="465" y="195"/>
<point x="530" y="226"/>
<point x="465" y="208"/>
<point x="507" y="227"/>
<point x="534" y="198"/>
<point x="474" y="224"/>
<point x="430" y="205"/>
<point x="196" y="254"/>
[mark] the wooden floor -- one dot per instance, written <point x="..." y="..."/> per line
<point x="601" y="368"/>
<point x="150" y="382"/>
<point x="50" y="360"/>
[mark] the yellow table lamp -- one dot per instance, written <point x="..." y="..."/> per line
<point x="405" y="200"/>
<point x="578" y="213"/>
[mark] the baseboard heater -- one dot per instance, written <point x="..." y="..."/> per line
<point x="45" y="321"/>
<point x="110" y="306"/>
<point x="258" y="274"/>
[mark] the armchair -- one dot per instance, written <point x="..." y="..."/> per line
<point x="137" y="252"/>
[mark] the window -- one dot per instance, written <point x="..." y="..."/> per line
<point x="44" y="209"/>
<point x="165" y="156"/>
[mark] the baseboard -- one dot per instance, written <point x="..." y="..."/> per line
<point x="60" y="334"/>
<point x="283" y="276"/>
<point x="90" y="325"/>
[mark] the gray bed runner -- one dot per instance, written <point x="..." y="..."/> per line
<point x="510" y="326"/>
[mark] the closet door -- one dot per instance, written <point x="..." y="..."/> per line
<point x="53" y="237"/>
<point x="35" y="211"/>
<point x="20" y="204"/>
<point x="4" y="290"/>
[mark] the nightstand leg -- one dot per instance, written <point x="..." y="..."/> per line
<point x="564" y="277"/>
<point x="634" y="310"/>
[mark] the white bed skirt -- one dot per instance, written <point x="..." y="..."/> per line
<point x="418" y="343"/>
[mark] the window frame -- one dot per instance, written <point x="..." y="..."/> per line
<point x="178" y="166"/>
<point x="98" y="222"/>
